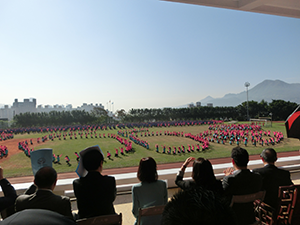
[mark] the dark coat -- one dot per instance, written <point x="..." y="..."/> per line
<point x="9" y="194"/>
<point x="45" y="199"/>
<point x="95" y="195"/>
<point x="273" y="177"/>
<point x="216" y="186"/>
<point x="242" y="182"/>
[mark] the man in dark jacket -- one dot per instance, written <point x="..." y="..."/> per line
<point x="273" y="177"/>
<point x="45" y="180"/>
<point x="241" y="182"/>
<point x="95" y="193"/>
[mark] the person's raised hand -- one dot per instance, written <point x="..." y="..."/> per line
<point x="228" y="171"/>
<point x="187" y="161"/>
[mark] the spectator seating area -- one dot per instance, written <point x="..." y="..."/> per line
<point x="289" y="212"/>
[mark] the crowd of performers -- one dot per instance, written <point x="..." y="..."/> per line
<point x="181" y="149"/>
<point x="87" y="131"/>
<point x="243" y="134"/>
<point x="5" y="136"/>
<point x="107" y="126"/>
<point x="24" y="146"/>
<point x="3" y="151"/>
<point x="127" y="146"/>
<point x="217" y="132"/>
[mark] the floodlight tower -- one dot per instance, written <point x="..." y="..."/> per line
<point x="247" y="84"/>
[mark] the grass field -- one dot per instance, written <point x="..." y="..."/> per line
<point x="19" y="164"/>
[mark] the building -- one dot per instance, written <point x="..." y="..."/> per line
<point x="209" y="104"/>
<point x="191" y="105"/>
<point x="29" y="105"/>
<point x="198" y="104"/>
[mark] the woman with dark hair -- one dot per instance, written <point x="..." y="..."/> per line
<point x="150" y="192"/>
<point x="202" y="174"/>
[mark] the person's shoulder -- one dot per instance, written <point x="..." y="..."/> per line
<point x="254" y="174"/>
<point x="61" y="197"/>
<point x="283" y="170"/>
<point x="24" y="197"/>
<point x="256" y="177"/>
<point x="77" y="181"/>
<point x="234" y="175"/>
<point x="258" y="170"/>
<point x="284" y="173"/>
<point x="136" y="187"/>
<point x="161" y="183"/>
<point x="4" y="181"/>
<point x="109" y="177"/>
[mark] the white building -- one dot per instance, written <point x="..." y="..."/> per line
<point x="29" y="105"/>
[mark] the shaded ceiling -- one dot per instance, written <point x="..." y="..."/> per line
<point x="288" y="8"/>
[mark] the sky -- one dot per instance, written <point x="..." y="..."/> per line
<point x="139" y="54"/>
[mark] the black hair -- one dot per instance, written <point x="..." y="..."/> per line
<point x="92" y="159"/>
<point x="240" y="156"/>
<point x="45" y="177"/>
<point x="203" y="173"/>
<point x="147" y="170"/>
<point x="269" y="155"/>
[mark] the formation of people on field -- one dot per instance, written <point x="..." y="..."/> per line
<point x="3" y="151"/>
<point x="3" y="137"/>
<point x="209" y="197"/>
<point x="6" y="136"/>
<point x="242" y="134"/>
<point x="24" y="146"/>
<point x="103" y="127"/>
<point x="233" y="134"/>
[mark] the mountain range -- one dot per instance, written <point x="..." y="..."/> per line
<point x="267" y="90"/>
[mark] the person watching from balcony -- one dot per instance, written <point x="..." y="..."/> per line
<point x="150" y="192"/>
<point x="202" y="174"/>
<point x="45" y="180"/>
<point x="272" y="176"/>
<point x="95" y="193"/>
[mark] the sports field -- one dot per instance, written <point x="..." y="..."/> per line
<point x="18" y="164"/>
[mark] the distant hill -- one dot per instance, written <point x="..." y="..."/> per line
<point x="266" y="90"/>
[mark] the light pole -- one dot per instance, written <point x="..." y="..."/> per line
<point x="247" y="84"/>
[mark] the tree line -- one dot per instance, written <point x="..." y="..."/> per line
<point x="277" y="109"/>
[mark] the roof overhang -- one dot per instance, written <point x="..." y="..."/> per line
<point x="288" y="8"/>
